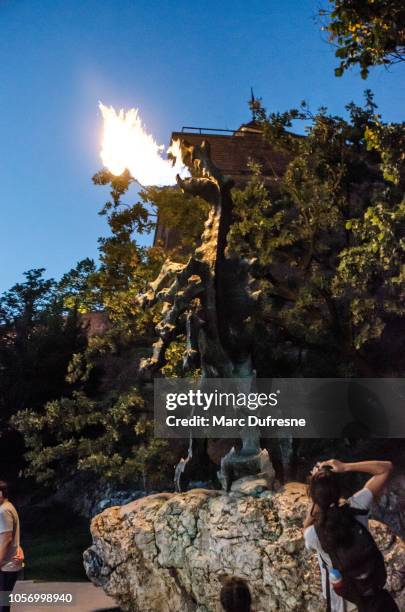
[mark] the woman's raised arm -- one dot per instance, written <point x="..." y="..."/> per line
<point x="380" y="470"/>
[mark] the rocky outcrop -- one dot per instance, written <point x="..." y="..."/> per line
<point x="170" y="552"/>
<point x="95" y="495"/>
<point x="390" y="508"/>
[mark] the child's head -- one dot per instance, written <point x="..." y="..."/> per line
<point x="235" y="595"/>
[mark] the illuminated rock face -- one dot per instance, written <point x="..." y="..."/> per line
<point x="169" y="552"/>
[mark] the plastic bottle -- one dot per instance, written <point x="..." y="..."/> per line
<point x="336" y="580"/>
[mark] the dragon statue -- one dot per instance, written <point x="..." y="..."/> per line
<point x="214" y="295"/>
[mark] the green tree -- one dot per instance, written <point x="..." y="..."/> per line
<point x="106" y="427"/>
<point x="329" y="247"/>
<point x="125" y="267"/>
<point x="366" y="32"/>
<point x="78" y="288"/>
<point x="37" y="340"/>
<point x="110" y="439"/>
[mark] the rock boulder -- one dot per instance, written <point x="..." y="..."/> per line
<point x="170" y="552"/>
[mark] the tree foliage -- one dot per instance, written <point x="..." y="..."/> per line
<point x="125" y="267"/>
<point x="110" y="438"/>
<point x="366" y="32"/>
<point x="329" y="243"/>
<point x="100" y="421"/>
<point x="37" y="340"/>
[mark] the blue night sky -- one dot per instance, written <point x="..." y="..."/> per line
<point x="181" y="63"/>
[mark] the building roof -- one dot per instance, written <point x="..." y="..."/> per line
<point x="233" y="150"/>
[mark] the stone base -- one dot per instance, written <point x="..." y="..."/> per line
<point x="250" y="485"/>
<point x="170" y="552"/>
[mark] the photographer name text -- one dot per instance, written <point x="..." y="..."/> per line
<point x="250" y="420"/>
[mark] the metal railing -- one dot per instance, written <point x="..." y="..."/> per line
<point x="203" y="130"/>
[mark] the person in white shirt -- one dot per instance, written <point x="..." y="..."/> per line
<point x="11" y="555"/>
<point x="325" y="493"/>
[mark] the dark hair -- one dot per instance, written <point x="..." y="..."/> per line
<point x="3" y="488"/>
<point x="332" y="521"/>
<point x="235" y="595"/>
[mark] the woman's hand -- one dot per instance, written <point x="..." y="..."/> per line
<point x="337" y="466"/>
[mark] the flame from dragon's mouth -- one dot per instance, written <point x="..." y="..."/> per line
<point x="126" y="145"/>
